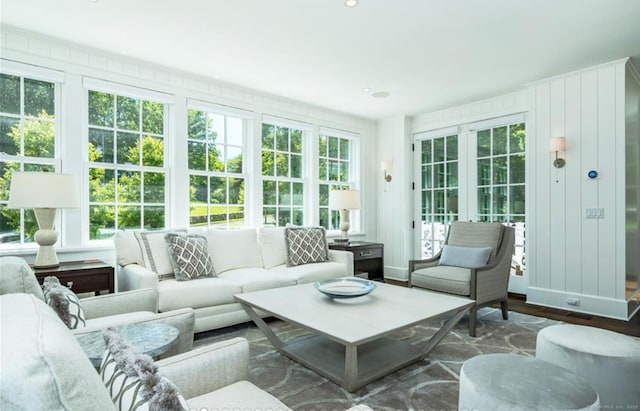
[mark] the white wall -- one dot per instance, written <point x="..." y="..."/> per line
<point x="571" y="256"/>
<point x="78" y="61"/>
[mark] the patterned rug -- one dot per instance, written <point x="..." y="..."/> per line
<point x="430" y="384"/>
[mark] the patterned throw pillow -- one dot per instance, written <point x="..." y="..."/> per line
<point x="132" y="379"/>
<point x="189" y="256"/>
<point x="305" y="245"/>
<point x="64" y="302"/>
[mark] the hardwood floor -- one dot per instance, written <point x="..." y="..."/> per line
<point x="518" y="303"/>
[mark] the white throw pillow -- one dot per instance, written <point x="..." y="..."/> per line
<point x="233" y="248"/>
<point x="155" y="252"/>
<point x="468" y="257"/>
<point x="272" y="245"/>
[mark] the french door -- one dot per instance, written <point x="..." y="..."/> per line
<point x="472" y="173"/>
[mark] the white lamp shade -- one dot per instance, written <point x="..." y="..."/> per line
<point x="43" y="190"/>
<point x="386" y="165"/>
<point x="344" y="200"/>
<point x="557" y="144"/>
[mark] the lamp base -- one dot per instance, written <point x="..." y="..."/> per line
<point x="342" y="241"/>
<point x="46" y="237"/>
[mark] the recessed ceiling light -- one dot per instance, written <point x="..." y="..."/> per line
<point x="350" y="3"/>
<point x="366" y="89"/>
<point x="380" y="94"/>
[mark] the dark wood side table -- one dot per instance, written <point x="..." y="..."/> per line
<point x="81" y="276"/>
<point x="367" y="257"/>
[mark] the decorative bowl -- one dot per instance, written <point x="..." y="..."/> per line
<point x="345" y="287"/>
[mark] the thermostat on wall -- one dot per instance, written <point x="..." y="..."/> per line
<point x="592" y="174"/>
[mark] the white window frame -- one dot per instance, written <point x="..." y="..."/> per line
<point x="117" y="89"/>
<point x="225" y="111"/>
<point x="27" y="71"/>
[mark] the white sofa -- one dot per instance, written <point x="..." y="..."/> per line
<point x="244" y="260"/>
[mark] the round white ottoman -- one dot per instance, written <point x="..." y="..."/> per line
<point x="516" y="382"/>
<point x="608" y="360"/>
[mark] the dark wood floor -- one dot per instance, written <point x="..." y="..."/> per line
<point x="519" y="304"/>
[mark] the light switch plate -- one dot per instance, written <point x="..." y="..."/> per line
<point x="594" y="213"/>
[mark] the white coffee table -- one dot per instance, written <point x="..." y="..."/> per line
<point x="349" y="342"/>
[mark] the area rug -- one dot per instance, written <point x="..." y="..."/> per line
<point x="430" y="384"/>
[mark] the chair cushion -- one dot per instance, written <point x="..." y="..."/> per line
<point x="17" y="277"/>
<point x="473" y="234"/>
<point x="469" y="257"/>
<point x="233" y="248"/>
<point x="189" y="256"/>
<point x="241" y="395"/>
<point x="304" y="245"/>
<point x="43" y="365"/>
<point x="64" y="302"/>
<point x="444" y="278"/>
<point x="118" y="319"/>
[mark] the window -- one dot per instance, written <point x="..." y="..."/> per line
<point x="127" y="174"/>
<point x="335" y="171"/>
<point x="27" y="143"/>
<point x="282" y="175"/>
<point x="501" y="180"/>
<point x="216" y="174"/>
<point x="438" y="190"/>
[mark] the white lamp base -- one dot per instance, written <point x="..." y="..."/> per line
<point x="46" y="237"/>
<point x="344" y="227"/>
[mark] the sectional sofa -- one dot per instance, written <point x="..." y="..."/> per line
<point x="244" y="260"/>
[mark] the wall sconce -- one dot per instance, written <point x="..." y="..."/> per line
<point x="386" y="166"/>
<point x="558" y="144"/>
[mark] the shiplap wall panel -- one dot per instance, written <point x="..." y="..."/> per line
<point x="556" y="183"/>
<point x="622" y="85"/>
<point x="607" y="184"/>
<point x="589" y="160"/>
<point x="573" y="192"/>
<point x="541" y="197"/>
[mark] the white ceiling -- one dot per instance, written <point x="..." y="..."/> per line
<point x="429" y="54"/>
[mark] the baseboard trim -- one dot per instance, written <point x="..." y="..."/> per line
<point x="587" y="304"/>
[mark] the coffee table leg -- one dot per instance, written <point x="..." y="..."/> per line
<point x="442" y="332"/>
<point x="351" y="366"/>
<point x="266" y="330"/>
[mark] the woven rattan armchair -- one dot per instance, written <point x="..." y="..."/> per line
<point x="486" y="284"/>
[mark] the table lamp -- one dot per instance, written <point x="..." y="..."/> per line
<point x="45" y="193"/>
<point x="344" y="201"/>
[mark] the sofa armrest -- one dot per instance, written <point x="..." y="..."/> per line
<point x="343" y="257"/>
<point x="135" y="277"/>
<point x="208" y="368"/>
<point x="120" y="303"/>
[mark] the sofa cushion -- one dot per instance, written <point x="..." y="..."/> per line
<point x="240" y="395"/>
<point x="469" y="257"/>
<point x="43" y="365"/>
<point x="233" y="248"/>
<point x="205" y="292"/>
<point x="17" y="277"/>
<point x="132" y="379"/>
<point x="272" y="246"/>
<point x="255" y="279"/>
<point x="308" y="273"/>
<point x="128" y="249"/>
<point x="304" y="245"/>
<point x="444" y="278"/>
<point x="64" y="302"/>
<point x="189" y="256"/>
<point x="155" y="253"/>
